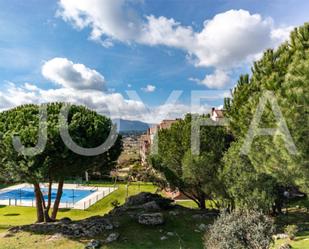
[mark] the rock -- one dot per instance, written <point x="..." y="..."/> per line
<point x="173" y="213"/>
<point x="65" y="220"/>
<point x="202" y="227"/>
<point x="285" y="246"/>
<point x="151" y="206"/>
<point x="280" y="236"/>
<point x="93" y="244"/>
<point x="84" y="228"/>
<point x="112" y="237"/>
<point x="170" y="234"/>
<point x="7" y="235"/>
<point x="205" y="215"/>
<point x="56" y="236"/>
<point x="142" y="198"/>
<point x="163" y="238"/>
<point x="151" y="219"/>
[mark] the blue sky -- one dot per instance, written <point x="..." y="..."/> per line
<point x="91" y="52"/>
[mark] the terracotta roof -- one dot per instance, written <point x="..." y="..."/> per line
<point x="220" y="113"/>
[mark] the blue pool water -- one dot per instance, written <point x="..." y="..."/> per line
<point x="27" y="194"/>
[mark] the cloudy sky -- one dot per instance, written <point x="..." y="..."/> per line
<point x="126" y="57"/>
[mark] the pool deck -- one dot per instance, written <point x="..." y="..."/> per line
<point x="98" y="194"/>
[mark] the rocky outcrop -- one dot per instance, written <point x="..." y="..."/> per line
<point x="143" y="198"/>
<point x="151" y="219"/>
<point x="144" y="202"/>
<point x="85" y="228"/>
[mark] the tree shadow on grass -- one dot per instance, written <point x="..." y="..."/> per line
<point x="11" y="214"/>
<point x="64" y="210"/>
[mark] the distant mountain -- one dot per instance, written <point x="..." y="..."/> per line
<point x="131" y="125"/>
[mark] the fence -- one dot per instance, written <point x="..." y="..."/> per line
<point x="82" y="204"/>
<point x="93" y="199"/>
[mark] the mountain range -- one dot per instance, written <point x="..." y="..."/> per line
<point x="131" y="125"/>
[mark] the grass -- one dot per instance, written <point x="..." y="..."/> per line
<point x="133" y="235"/>
<point x="299" y="217"/>
<point x="300" y="242"/>
<point x="13" y="216"/>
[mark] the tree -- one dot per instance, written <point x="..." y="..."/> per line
<point x="240" y="230"/>
<point x="56" y="162"/>
<point x="196" y="176"/>
<point x="248" y="189"/>
<point x="284" y="72"/>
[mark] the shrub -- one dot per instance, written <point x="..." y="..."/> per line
<point x="291" y="231"/>
<point x="115" y="203"/>
<point x="240" y="230"/>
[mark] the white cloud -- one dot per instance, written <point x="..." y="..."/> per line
<point x="281" y="34"/>
<point x="227" y="41"/>
<point x="219" y="79"/>
<point x="108" y="19"/>
<point x="76" y="76"/>
<point x="149" y="88"/>
<point x="230" y="37"/>
<point x="113" y="105"/>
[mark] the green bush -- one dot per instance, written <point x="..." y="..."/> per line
<point x="115" y="203"/>
<point x="291" y="231"/>
<point x="240" y="230"/>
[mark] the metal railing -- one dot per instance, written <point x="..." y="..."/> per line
<point x="83" y="205"/>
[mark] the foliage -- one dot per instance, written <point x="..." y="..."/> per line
<point x="248" y="188"/>
<point x="115" y="203"/>
<point x="87" y="128"/>
<point x="285" y="72"/>
<point x="291" y="231"/>
<point x="196" y="176"/>
<point x="240" y="230"/>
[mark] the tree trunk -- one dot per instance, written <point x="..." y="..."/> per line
<point x="47" y="208"/>
<point x="57" y="200"/>
<point x="38" y="201"/>
<point x="201" y="201"/>
<point x="202" y="204"/>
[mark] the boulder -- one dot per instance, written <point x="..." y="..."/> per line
<point x="285" y="246"/>
<point x="151" y="206"/>
<point x="93" y="244"/>
<point x="84" y="228"/>
<point x="65" y="220"/>
<point x="112" y="237"/>
<point x="142" y="198"/>
<point x="202" y="227"/>
<point x="151" y="219"/>
<point x="280" y="236"/>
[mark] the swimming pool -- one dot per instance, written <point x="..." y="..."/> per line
<point x="27" y="194"/>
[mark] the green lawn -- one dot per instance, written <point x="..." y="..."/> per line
<point x="300" y="218"/>
<point x="133" y="235"/>
<point x="12" y="216"/>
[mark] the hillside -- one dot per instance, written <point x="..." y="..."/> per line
<point x="131" y="125"/>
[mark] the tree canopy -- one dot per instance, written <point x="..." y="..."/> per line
<point x="56" y="162"/>
<point x="282" y="75"/>
<point x="196" y="176"/>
